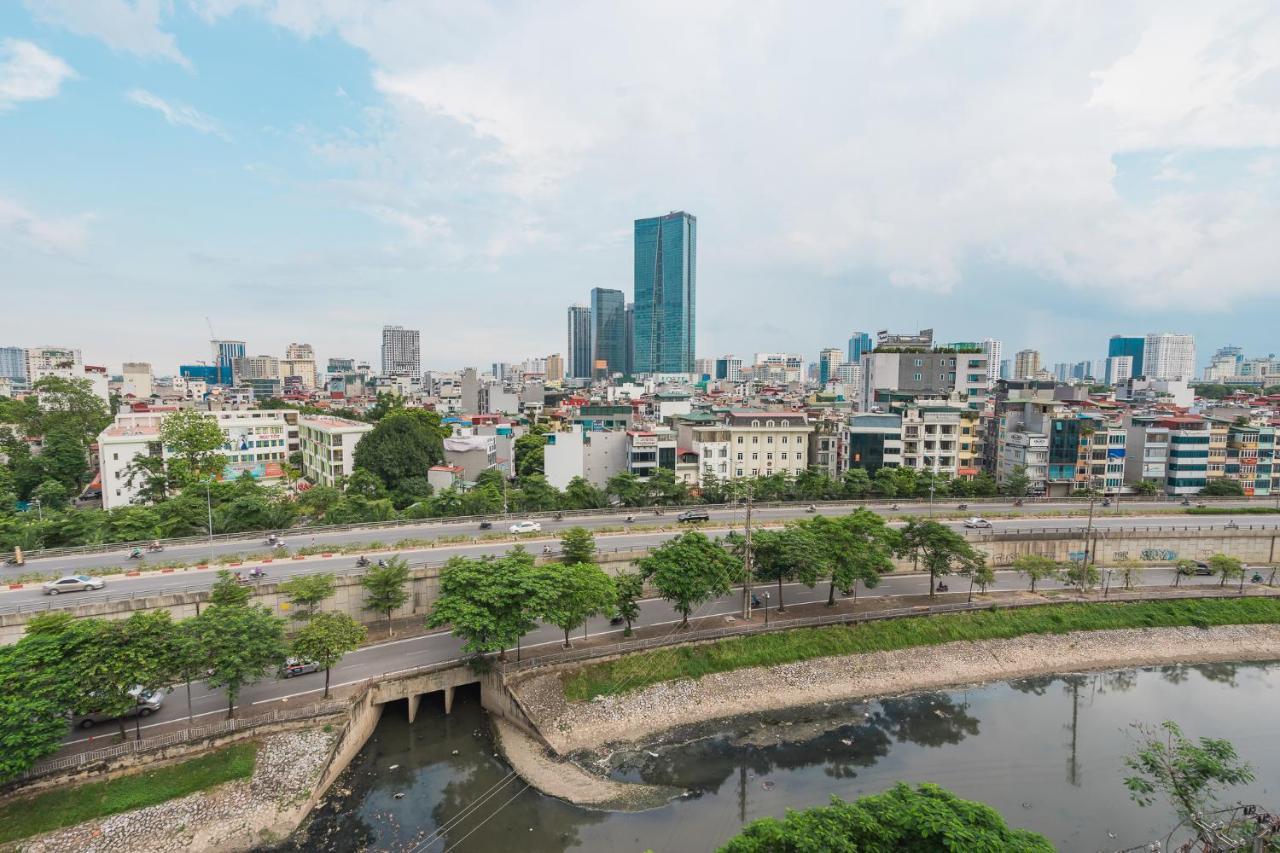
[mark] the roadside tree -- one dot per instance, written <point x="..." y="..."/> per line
<point x="384" y="588"/>
<point x="1226" y="567"/>
<point x="1183" y="568"/>
<point x="325" y="639"/>
<point x="227" y="590"/>
<point x="1035" y="568"/>
<point x="241" y="645"/>
<point x="490" y="602"/>
<point x="577" y="545"/>
<point x="690" y="570"/>
<point x="305" y="592"/>
<point x="792" y="554"/>
<point x="571" y="593"/>
<point x="629" y="586"/>
<point x="855" y="548"/>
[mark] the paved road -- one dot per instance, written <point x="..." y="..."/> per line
<point x="438" y="528"/>
<point x="193" y="579"/>
<point x="397" y="655"/>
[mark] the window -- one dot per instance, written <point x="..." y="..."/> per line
<point x="755" y="472"/>
<point x="739" y="472"/>
<point x="784" y="454"/>
<point x="115" y="457"/>
<point x="739" y="457"/>
<point x="755" y="424"/>
<point x="919" y="362"/>
<point x="768" y="457"/>
<point x="769" y="440"/>
<point x="917" y="376"/>
<point x="755" y="456"/>
<point x="739" y="439"/>
<point x="784" y="439"/>
<point x="769" y="424"/>
<point x="755" y="439"/>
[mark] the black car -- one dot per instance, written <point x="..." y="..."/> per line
<point x="1202" y="569"/>
<point x="694" y="515"/>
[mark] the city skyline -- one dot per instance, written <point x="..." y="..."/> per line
<point x="319" y="205"/>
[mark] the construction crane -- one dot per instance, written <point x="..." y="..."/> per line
<point x="217" y="356"/>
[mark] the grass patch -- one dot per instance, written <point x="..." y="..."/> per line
<point x="642" y="669"/>
<point x="22" y="818"/>
<point x="1232" y="510"/>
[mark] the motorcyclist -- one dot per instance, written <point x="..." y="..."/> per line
<point x="630" y="518"/>
<point x="362" y="561"/>
<point x="136" y="554"/>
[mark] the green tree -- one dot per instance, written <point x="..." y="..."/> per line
<point x="1186" y="773"/>
<point x="489" y="602"/>
<point x="924" y="819"/>
<point x="51" y="494"/>
<point x="529" y="451"/>
<point x="690" y="570"/>
<point x="1084" y="576"/>
<point x="981" y="575"/>
<point x="790" y="554"/>
<point x="1226" y="567"/>
<point x="1183" y="568"/>
<point x="627" y="488"/>
<point x="1147" y="487"/>
<point x="855" y="483"/>
<point x="71" y="403"/>
<point x="579" y="494"/>
<point x="195" y="442"/>
<point x="664" y="489"/>
<point x="38" y="684"/>
<point x="242" y="644"/>
<point x="711" y="488"/>
<point x="630" y="587"/>
<point x="984" y="485"/>
<point x="814" y="484"/>
<point x="1223" y="488"/>
<point x="943" y="551"/>
<point x="570" y="593"/>
<point x="577" y="545"/>
<point x="856" y="547"/>
<point x="366" y="484"/>
<point x="404" y="444"/>
<point x="188" y="659"/>
<point x="1017" y="483"/>
<point x="384" y="588"/>
<point x="227" y="590"/>
<point x="63" y="457"/>
<point x="1035" y="568"/>
<point x="325" y="639"/>
<point x="307" y="591"/>
<point x="884" y="484"/>
<point x="537" y="495"/>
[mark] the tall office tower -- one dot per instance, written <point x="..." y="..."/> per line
<point x="1169" y="356"/>
<point x="400" y="353"/>
<point x="13" y="365"/>
<point x="994" y="349"/>
<point x="300" y="360"/>
<point x="555" y="368"/>
<point x="629" y="354"/>
<point x="608" y="332"/>
<point x="859" y="342"/>
<point x="666" y="257"/>
<point x="579" y="342"/>
<point x="1062" y="371"/>
<point x="1006" y="368"/>
<point x="1130" y="345"/>
<point x="225" y="354"/>
<point x="828" y="360"/>
<point x="1026" y="363"/>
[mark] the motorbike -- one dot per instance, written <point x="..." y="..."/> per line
<point x="1018" y="502"/>
<point x="546" y="549"/>
<point x="485" y="525"/>
<point x="14" y="561"/>
<point x="1106" y="502"/>
<point x="962" y="506"/>
<point x="893" y="506"/>
<point x="271" y="540"/>
<point x="1231" y="525"/>
<point x="135" y="555"/>
<point x="1257" y="578"/>
<point x="658" y="511"/>
<point x="631" y="519"/>
<point x="811" y="508"/>
<point x="1186" y="502"/>
<point x="559" y="516"/>
<point x="755" y="601"/>
<point x="941" y="587"/>
<point x="362" y="562"/>
<point x="1201" y="505"/>
<point x="257" y="573"/>
<point x="616" y="620"/>
<point x="279" y="544"/>
<point x="154" y="549"/>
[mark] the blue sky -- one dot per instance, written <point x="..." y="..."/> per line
<point x="308" y="170"/>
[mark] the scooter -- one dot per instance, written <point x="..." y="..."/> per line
<point x="811" y="508"/>
<point x="893" y="506"/>
<point x="257" y="573"/>
<point x="546" y="549"/>
<point x="154" y="549"/>
<point x="755" y="601"/>
<point x="1106" y="501"/>
<point x="485" y="525"/>
<point x="362" y="562"/>
<point x="1018" y="502"/>
<point x="1186" y="502"/>
<point x="14" y="561"/>
<point x="279" y="544"/>
<point x="135" y="554"/>
<point x="962" y="506"/>
<point x="1257" y="578"/>
<point x="941" y="587"/>
<point x="631" y="519"/>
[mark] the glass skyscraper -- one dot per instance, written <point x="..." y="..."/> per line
<point x="666" y="253"/>
<point x="579" y="342"/>
<point x="608" y="332"/>
<point x="225" y="354"/>
<point x="859" y="343"/>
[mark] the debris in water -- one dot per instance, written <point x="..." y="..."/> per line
<point x="651" y="753"/>
<point x="393" y="767"/>
<point x="1026" y="805"/>
<point x="767" y="784"/>
<point x="455" y="752"/>
<point x="846" y="741"/>
<point x="399" y="795"/>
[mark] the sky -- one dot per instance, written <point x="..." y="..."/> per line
<point x="1044" y="173"/>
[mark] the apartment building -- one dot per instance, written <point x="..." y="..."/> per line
<point x="593" y="455"/>
<point x="871" y="441"/>
<point x="1251" y="453"/>
<point x="753" y="444"/>
<point x="328" y="446"/>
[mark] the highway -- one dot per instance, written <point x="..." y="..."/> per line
<point x="398" y="655"/>
<point x="193" y="579"/>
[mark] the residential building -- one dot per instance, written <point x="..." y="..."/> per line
<point x="328" y="447"/>
<point x="1119" y="369"/>
<point x="65" y="363"/>
<point x="1006" y="368"/>
<point x="848" y="374"/>
<point x="13" y="366"/>
<point x="248" y="368"/>
<point x="859" y="343"/>
<point x="341" y="365"/>
<point x="752" y="444"/>
<point x="1169" y="356"/>
<point x="257" y="443"/>
<point x="994" y="350"/>
<point x="300" y="361"/>
<point x="579" y="342"/>
<point x="931" y="439"/>
<point x="871" y="441"/>
<point x="1132" y="346"/>
<point x="650" y="448"/>
<point x="593" y="455"/>
<point x="555" y="368"/>
<point x="1026" y="363"/>
<point x="137" y="381"/>
<point x="225" y="354"/>
<point x="828" y="360"/>
<point x="728" y="368"/>
<point x="474" y="454"/>
<point x="665" y="293"/>
<point x="401" y="354"/>
<point x="608" y="333"/>
<point x="778" y="368"/>
<point x="1251" y="453"/>
<point x="923" y="372"/>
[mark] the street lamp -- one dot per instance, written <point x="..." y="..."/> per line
<point x="208" y="502"/>
<point x="766" y="608"/>
<point x="39" y="508"/>
<point x="1106" y="586"/>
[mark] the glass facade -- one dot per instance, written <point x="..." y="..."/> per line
<point x="579" y="342"/>
<point x="225" y="354"/>
<point x="608" y="332"/>
<point x="859" y="343"/>
<point x="665" y="293"/>
<point x="1132" y="347"/>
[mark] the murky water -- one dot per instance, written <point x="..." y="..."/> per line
<point x="1045" y="752"/>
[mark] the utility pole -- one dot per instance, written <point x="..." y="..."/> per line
<point x="1088" y="538"/>
<point x="746" y="563"/>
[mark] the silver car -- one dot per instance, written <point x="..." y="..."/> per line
<point x="73" y="583"/>
<point x="148" y="704"/>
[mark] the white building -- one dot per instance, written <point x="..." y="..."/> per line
<point x="401" y="355"/>
<point x="137" y="380"/>
<point x="257" y="443"/>
<point x="994" y="349"/>
<point x="1119" y="369"/>
<point x="65" y="363"/>
<point x="328" y="447"/>
<point x="300" y="360"/>
<point x="753" y="444"/>
<point x="593" y="455"/>
<point x="1169" y="356"/>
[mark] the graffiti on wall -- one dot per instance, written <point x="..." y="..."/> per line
<point x="1159" y="554"/>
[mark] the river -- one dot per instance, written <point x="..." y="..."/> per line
<point x="1046" y="752"/>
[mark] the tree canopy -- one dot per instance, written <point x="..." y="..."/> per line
<point x="489" y="602"/>
<point x="404" y="445"/>
<point x="690" y="570"/>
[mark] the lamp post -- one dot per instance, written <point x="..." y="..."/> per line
<point x="766" y="608"/>
<point x="1106" y="586"/>
<point x="39" y="508"/>
<point x="208" y="502"/>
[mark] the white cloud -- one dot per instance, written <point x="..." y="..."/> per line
<point x="177" y="114"/>
<point x="28" y="73"/>
<point x="133" y="28"/>
<point x="52" y="236"/>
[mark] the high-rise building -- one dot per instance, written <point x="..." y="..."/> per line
<point x="225" y="354"/>
<point x="256" y="367"/>
<point x="13" y="365"/>
<point x="1169" y="356"/>
<point x="665" y="293"/>
<point x="1006" y="368"/>
<point x="555" y="368"/>
<point x="1130" y="345"/>
<point x="1119" y="369"/>
<point x="136" y="380"/>
<point x="341" y="365"/>
<point x="400" y="353"/>
<point x="704" y="368"/>
<point x="728" y="368"/>
<point x="579" y="342"/>
<point x="1026" y="364"/>
<point x="630" y="338"/>
<point x="300" y="361"/>
<point x="1062" y="371"/>
<point x="828" y="360"/>
<point x="608" y="332"/>
<point x="994" y="350"/>
<point x="859" y="342"/>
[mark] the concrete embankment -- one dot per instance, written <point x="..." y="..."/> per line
<point x="633" y="717"/>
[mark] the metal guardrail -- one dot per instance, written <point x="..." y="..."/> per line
<point x="586" y="513"/>
<point x="193" y="733"/>
<point x="784" y="624"/>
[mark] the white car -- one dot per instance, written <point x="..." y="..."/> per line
<point x="976" y="521"/>
<point x="74" y="583"/>
<point x="526" y="527"/>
